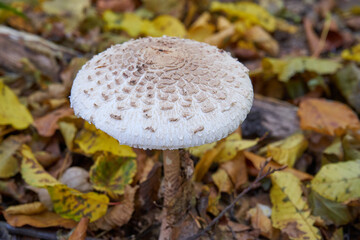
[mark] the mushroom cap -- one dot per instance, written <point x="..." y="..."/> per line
<point x="163" y="93"/>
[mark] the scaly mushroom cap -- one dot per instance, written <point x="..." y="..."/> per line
<point x="163" y="93"/>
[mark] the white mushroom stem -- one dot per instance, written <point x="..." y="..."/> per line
<point x="172" y="179"/>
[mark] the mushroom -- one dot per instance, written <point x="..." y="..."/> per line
<point x="163" y="93"/>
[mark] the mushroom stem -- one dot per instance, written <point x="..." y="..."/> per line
<point x="172" y="179"/>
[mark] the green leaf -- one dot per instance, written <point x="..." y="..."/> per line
<point x="11" y="110"/>
<point x="330" y="211"/>
<point x="111" y="174"/>
<point x="338" y="181"/>
<point x="12" y="10"/>
<point x="290" y="213"/>
<point x="347" y="81"/>
<point x="72" y="204"/>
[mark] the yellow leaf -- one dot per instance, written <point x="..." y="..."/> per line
<point x="338" y="181"/>
<point x="9" y="165"/>
<point x="112" y="174"/>
<point x="68" y="130"/>
<point x="263" y="40"/>
<point x="91" y="140"/>
<point x="233" y="144"/>
<point x="206" y="160"/>
<point x="326" y="117"/>
<point x="169" y="26"/>
<point x="352" y="54"/>
<point x="201" y="150"/>
<point x="129" y="22"/>
<point x="11" y="110"/>
<point x="288" y="150"/>
<point x="200" y="33"/>
<point x="222" y="181"/>
<point x="27" y="209"/>
<point x="32" y="172"/>
<point x="72" y="204"/>
<point x="290" y="213"/>
<point x="248" y="11"/>
<point x="287" y="68"/>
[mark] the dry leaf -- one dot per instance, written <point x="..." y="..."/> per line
<point x="260" y="221"/>
<point x="47" y="125"/>
<point x="222" y="181"/>
<point x="263" y="40"/>
<point x="258" y="161"/>
<point x="11" y="110"/>
<point x="118" y="215"/>
<point x="42" y="220"/>
<point x="9" y="166"/>
<point x="236" y="169"/>
<point x="326" y="117"/>
<point x="80" y="231"/>
<point x="76" y="178"/>
<point x="26" y="209"/>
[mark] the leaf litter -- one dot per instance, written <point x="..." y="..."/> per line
<point x="76" y="175"/>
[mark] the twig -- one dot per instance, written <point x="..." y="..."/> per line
<point x="259" y="177"/>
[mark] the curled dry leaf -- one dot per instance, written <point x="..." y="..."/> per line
<point x="263" y="40"/>
<point x="11" y="110"/>
<point x="80" y="231"/>
<point x="47" y="125"/>
<point x="42" y="220"/>
<point x="326" y="117"/>
<point x="119" y="214"/>
<point x="259" y="220"/>
<point x="236" y="169"/>
<point x="26" y="209"/>
<point x="258" y="161"/>
<point x="9" y="165"/>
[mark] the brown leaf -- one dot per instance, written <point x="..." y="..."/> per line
<point x="236" y="169"/>
<point x="118" y="215"/>
<point x="260" y="221"/>
<point x="42" y="220"/>
<point x="47" y="124"/>
<point x="80" y="231"/>
<point x="115" y="5"/>
<point x="326" y="117"/>
<point x="258" y="161"/>
<point x="148" y="192"/>
<point x="263" y="40"/>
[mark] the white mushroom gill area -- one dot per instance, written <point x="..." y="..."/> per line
<point x="163" y="93"/>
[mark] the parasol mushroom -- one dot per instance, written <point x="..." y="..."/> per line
<point x="163" y="93"/>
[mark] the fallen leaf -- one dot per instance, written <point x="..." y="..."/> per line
<point x="290" y="213"/>
<point x="80" y="231"/>
<point x="347" y="81"/>
<point x="173" y="7"/>
<point x="221" y="38"/>
<point x="42" y="220"/>
<point x="148" y="190"/>
<point x="112" y="173"/>
<point x="332" y="212"/>
<point x="286" y="68"/>
<point x="26" y="209"/>
<point x="72" y="204"/>
<point x="352" y="54"/>
<point x="206" y="160"/>
<point x="47" y="125"/>
<point x="351" y="146"/>
<point x="258" y="161"/>
<point x="338" y="181"/>
<point x="326" y="117"/>
<point x="128" y="22"/>
<point x="11" y="110"/>
<point x="92" y="140"/>
<point x="166" y="25"/>
<point x="32" y="172"/>
<point x="222" y="181"/>
<point x="333" y="153"/>
<point x="120" y="214"/>
<point x="236" y="170"/>
<point x="247" y="11"/>
<point x="263" y="40"/>
<point x="288" y="150"/>
<point x="260" y="221"/>
<point x="9" y="165"/>
<point x="114" y="5"/>
<point x="68" y="130"/>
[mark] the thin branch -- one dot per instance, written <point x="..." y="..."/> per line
<point x="259" y="177"/>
